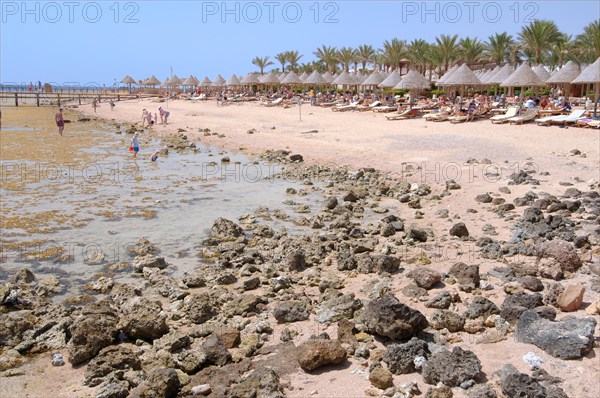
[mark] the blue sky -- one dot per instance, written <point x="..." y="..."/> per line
<point x="96" y="42"/>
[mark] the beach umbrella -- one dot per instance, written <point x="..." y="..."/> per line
<point x="445" y="76"/>
<point x="291" y="78"/>
<point x="486" y="77"/>
<point x="175" y="81"/>
<point x="191" y="81"/>
<point x="315" y="78"/>
<point x="270" y="78"/>
<point x="129" y="81"/>
<point x="591" y="75"/>
<point x="206" y="82"/>
<point x="542" y="72"/>
<point x="524" y="76"/>
<point x="328" y="77"/>
<point x="233" y="81"/>
<point x="152" y="81"/>
<point x="250" y="78"/>
<point x="335" y="75"/>
<point x="219" y="81"/>
<point x="463" y="76"/>
<point x="566" y="74"/>
<point x="414" y="82"/>
<point x="344" y="79"/>
<point x="373" y="79"/>
<point x="390" y="81"/>
<point x="303" y="76"/>
<point x="165" y="82"/>
<point x="501" y="75"/>
<point x="281" y="76"/>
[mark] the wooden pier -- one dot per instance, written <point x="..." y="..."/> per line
<point x="16" y="98"/>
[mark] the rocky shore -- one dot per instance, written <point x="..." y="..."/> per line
<point x="383" y="285"/>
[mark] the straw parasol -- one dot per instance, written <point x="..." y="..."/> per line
<point x="344" y="79"/>
<point x="566" y="74"/>
<point x="390" y="81"/>
<point x="269" y="78"/>
<point x="129" y="81"/>
<point x="191" y="81"/>
<point x="591" y="75"/>
<point x="250" y="78"/>
<point x="219" y="81"/>
<point x="315" y="78"/>
<point x="524" y="76"/>
<point x="328" y="77"/>
<point x="206" y="82"/>
<point x="446" y="75"/>
<point x="373" y="79"/>
<point x="174" y="81"/>
<point x="463" y="76"/>
<point x="414" y="82"/>
<point x="291" y="78"/>
<point x="501" y="75"/>
<point x="303" y="76"/>
<point x="282" y="76"/>
<point x="152" y="81"/>
<point x="233" y="81"/>
<point x="542" y="72"/>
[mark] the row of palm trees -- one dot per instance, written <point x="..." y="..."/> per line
<point x="539" y="42"/>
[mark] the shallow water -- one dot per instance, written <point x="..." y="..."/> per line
<point x="91" y="210"/>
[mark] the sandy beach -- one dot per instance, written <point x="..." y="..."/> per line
<point x="479" y="156"/>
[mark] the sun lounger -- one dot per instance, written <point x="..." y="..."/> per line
<point x="327" y="104"/>
<point x="527" y="116"/>
<point x="407" y="114"/>
<point x="363" y="108"/>
<point x="385" y="109"/>
<point x="572" y="118"/>
<point x="343" y="108"/>
<point x="274" y="103"/>
<point x="559" y="119"/>
<point x="594" y="124"/>
<point x="511" y="112"/>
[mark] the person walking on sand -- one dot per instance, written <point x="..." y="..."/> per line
<point x="60" y="122"/>
<point x="94" y="104"/>
<point x="135" y="143"/>
<point x="112" y="105"/>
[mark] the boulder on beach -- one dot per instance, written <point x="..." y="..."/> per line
<point x="388" y="317"/>
<point x="314" y="354"/>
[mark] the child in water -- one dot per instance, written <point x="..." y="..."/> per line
<point x="154" y="156"/>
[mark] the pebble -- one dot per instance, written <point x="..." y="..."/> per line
<point x="57" y="360"/>
<point x="532" y="360"/>
<point x="202" y="389"/>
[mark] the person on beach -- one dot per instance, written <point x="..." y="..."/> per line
<point x="60" y="122"/>
<point x="30" y="87"/>
<point x="164" y="115"/>
<point x="94" y="104"/>
<point x="154" y="156"/>
<point x="135" y="143"/>
<point x="144" y="116"/>
<point x="112" y="105"/>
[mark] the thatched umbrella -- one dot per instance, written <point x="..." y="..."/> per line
<point x="344" y="79"/>
<point x="373" y="79"/>
<point x="446" y="75"/>
<point x="219" y="81"/>
<point x="315" y="78"/>
<point x="152" y="81"/>
<point x="524" y="76"/>
<point x="565" y="75"/>
<point x="191" y="81"/>
<point x="486" y="77"/>
<point x="501" y="75"/>
<point x="542" y="72"/>
<point x="414" y="82"/>
<point x="175" y="81"/>
<point x="270" y="79"/>
<point x="250" y="78"/>
<point x="233" y="81"/>
<point x="129" y="81"/>
<point x="328" y="77"/>
<point x="591" y="75"/>
<point x="462" y="77"/>
<point x="282" y="76"/>
<point x="303" y="76"/>
<point x="206" y="82"/>
<point x="291" y="78"/>
<point x="390" y="81"/>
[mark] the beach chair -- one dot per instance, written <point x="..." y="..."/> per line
<point x="407" y="114"/>
<point x="274" y="102"/>
<point x="546" y="121"/>
<point x="511" y="112"/>
<point x="527" y="116"/>
<point x="327" y="104"/>
<point x="385" y="109"/>
<point x="363" y="108"/>
<point x="343" y="108"/>
<point x="572" y="118"/>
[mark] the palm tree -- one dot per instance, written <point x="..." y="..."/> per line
<point x="282" y="58"/>
<point x="328" y="55"/>
<point x="292" y="58"/>
<point x="436" y="59"/>
<point x="365" y="54"/>
<point x="449" y="49"/>
<point x="587" y="44"/>
<point x="418" y="54"/>
<point x="497" y="47"/>
<point x="306" y="67"/>
<point x="561" y="50"/>
<point x="470" y="50"/>
<point x="346" y="55"/>
<point x="538" y="38"/>
<point x="393" y="53"/>
<point x="262" y="63"/>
